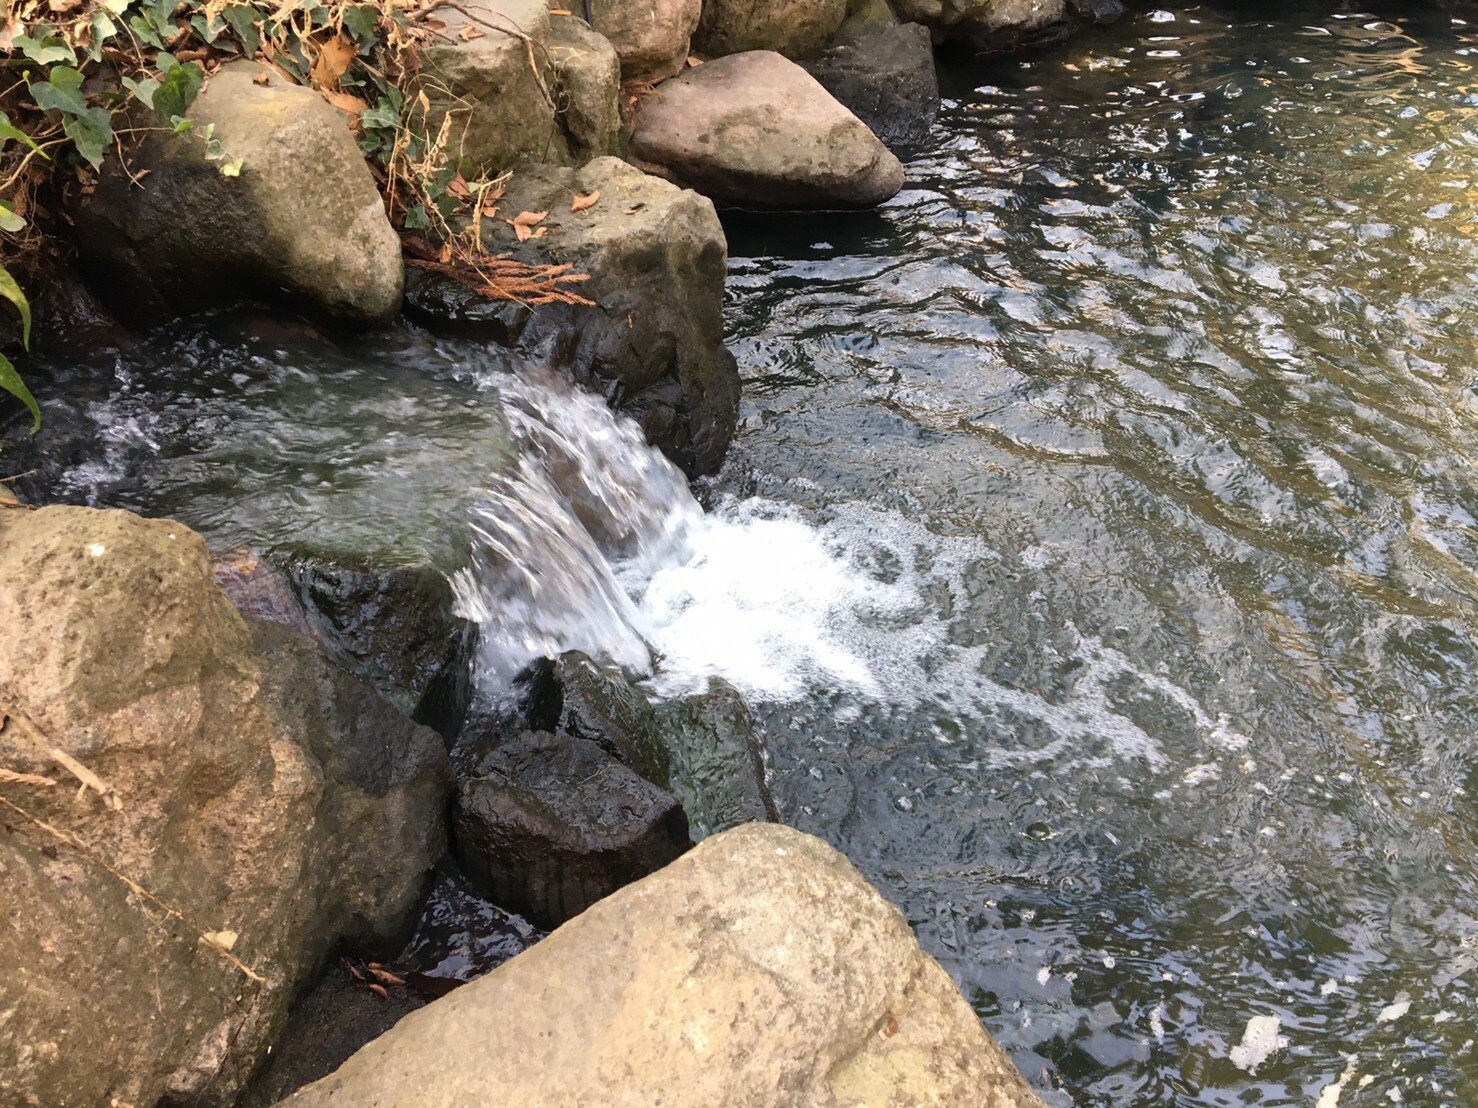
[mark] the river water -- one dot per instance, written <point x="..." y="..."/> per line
<point x="1098" y="547"/>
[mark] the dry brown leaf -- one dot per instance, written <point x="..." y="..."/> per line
<point x="489" y="211"/>
<point x="434" y="24"/>
<point x="529" y="219"/>
<point x="349" y="105"/>
<point x="262" y="80"/>
<point x="694" y="62"/>
<point x="590" y="200"/>
<point x="64" y="7"/>
<point x="382" y="975"/>
<point x="523" y="232"/>
<point x="223" y="939"/>
<point x="560" y="11"/>
<point x="469" y="32"/>
<point x="445" y="254"/>
<point x="333" y="61"/>
<point x="378" y="990"/>
<point x="457" y="186"/>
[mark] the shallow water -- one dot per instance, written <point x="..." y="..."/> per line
<point x="1151" y="407"/>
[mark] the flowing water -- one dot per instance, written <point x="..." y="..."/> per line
<point x="1098" y="548"/>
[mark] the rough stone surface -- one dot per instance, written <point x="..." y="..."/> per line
<point x="653" y="344"/>
<point x="885" y="77"/>
<point x="651" y="36"/>
<point x="758" y="970"/>
<point x="1006" y="24"/>
<point x="496" y="88"/>
<point x="597" y="702"/>
<point x="549" y="824"/>
<point x="717" y="758"/>
<point x="795" y="28"/>
<point x="260" y="791"/>
<point x="304" y="218"/>
<point x="587" y="86"/>
<point x="756" y="130"/>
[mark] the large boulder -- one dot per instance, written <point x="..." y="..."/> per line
<point x="653" y="341"/>
<point x="171" y="234"/>
<point x="650" y="36"/>
<point x="254" y="794"/>
<point x="758" y="970"/>
<point x="795" y="28"/>
<point x="587" y="76"/>
<point x="884" y="75"/>
<point x="1006" y="24"/>
<point x="756" y="130"/>
<point x="549" y="824"/>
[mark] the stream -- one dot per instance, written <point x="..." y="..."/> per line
<point x="1099" y="548"/>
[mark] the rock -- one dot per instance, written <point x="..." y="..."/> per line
<point x="394" y="626"/>
<point x="495" y="87"/>
<point x="1006" y="24"/>
<point x="596" y="702"/>
<point x="268" y="795"/>
<point x="717" y="758"/>
<point x="795" y="28"/>
<point x="653" y="345"/>
<point x="651" y="36"/>
<point x="550" y="824"/>
<point x="885" y="77"/>
<point x="587" y="76"/>
<point x="260" y="591"/>
<point x="756" y="130"/>
<point x="758" y="970"/>
<point x="867" y="15"/>
<point x="303" y="220"/>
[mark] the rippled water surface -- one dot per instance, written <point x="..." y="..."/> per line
<point x="1150" y="409"/>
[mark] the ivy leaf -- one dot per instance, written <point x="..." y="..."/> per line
<point x="363" y="22"/>
<point x="9" y="221"/>
<point x="46" y="51"/>
<point x="11" y="291"/>
<point x="103" y="30"/>
<point x="62" y="91"/>
<point x="243" y="20"/>
<point x="178" y="90"/>
<point x="11" y="382"/>
<point x="416" y="219"/>
<point x="9" y="131"/>
<point x="90" y="131"/>
<point x="380" y="117"/>
<point x="146" y="33"/>
<point x="142" y="89"/>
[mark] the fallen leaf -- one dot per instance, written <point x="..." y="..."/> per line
<point x="64" y="7"/>
<point x="469" y="32"/>
<point x="445" y="254"/>
<point x="580" y="203"/>
<point x="529" y="219"/>
<point x="353" y="969"/>
<point x="382" y="975"/>
<point x="560" y="11"/>
<point x="523" y="232"/>
<point x="489" y="211"/>
<point x="378" y="990"/>
<point x="349" y="105"/>
<point x="694" y="62"/>
<point x="333" y="61"/>
<point x="223" y="939"/>
<point x="434" y="24"/>
<point x="262" y="80"/>
<point x="457" y="186"/>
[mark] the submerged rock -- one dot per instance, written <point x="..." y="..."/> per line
<point x="653" y="342"/>
<point x="885" y="77"/>
<point x="549" y="824"/>
<point x="260" y="793"/>
<point x="795" y="28"/>
<point x="303" y="219"/>
<point x="758" y="970"/>
<point x="756" y="130"/>
<point x="651" y="37"/>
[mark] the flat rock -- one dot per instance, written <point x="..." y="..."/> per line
<point x="653" y="344"/>
<point x="549" y="824"/>
<point x="756" y="130"/>
<point x="885" y="76"/>
<point x="757" y="971"/>
<point x="795" y="28"/>
<point x="651" y="37"/>
<point x="303" y="219"/>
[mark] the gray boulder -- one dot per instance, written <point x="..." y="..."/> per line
<point x="757" y="971"/>
<point x="795" y="28"/>
<point x="653" y="342"/>
<point x="650" y="36"/>
<point x="597" y="703"/>
<point x="885" y="77"/>
<point x="302" y="220"/>
<point x="995" y="25"/>
<point x="254" y="792"/>
<point x="587" y="76"/>
<point x="549" y="824"/>
<point x="756" y="130"/>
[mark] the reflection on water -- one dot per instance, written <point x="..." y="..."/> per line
<point x="1156" y="394"/>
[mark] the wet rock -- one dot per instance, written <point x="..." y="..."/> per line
<point x="549" y="824"/>
<point x="756" y="130"/>
<point x="651" y="37"/>
<point x="394" y="626"/>
<point x="596" y="702"/>
<point x="260" y="591"/>
<point x="867" y="15"/>
<point x="1006" y="24"/>
<point x="795" y="28"/>
<point x="303" y="220"/>
<point x="256" y="789"/>
<point x="587" y="76"/>
<point x="758" y="970"/>
<point x="885" y="77"/>
<point x="653" y="344"/>
<point x="496" y="86"/>
<point x="717" y="759"/>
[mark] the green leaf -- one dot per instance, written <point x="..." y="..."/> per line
<point x="90" y="132"/>
<point x="415" y="219"/>
<point x="11" y="382"/>
<point x="103" y="31"/>
<point x="9" y="221"/>
<point x="45" y="51"/>
<point x="117" y="7"/>
<point x="146" y="33"/>
<point x="363" y="22"/>
<point x="62" y="91"/>
<point x="181" y="124"/>
<point x="178" y="89"/>
<point x="208" y="26"/>
<point x="142" y="89"/>
<point x="243" y="20"/>
<point x="11" y="291"/>
<point x="379" y="117"/>
<point x="8" y="132"/>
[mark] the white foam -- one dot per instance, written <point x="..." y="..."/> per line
<point x="1260" y="1041"/>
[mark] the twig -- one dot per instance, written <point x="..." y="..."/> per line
<point x="89" y="779"/>
<point x="25" y="778"/>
